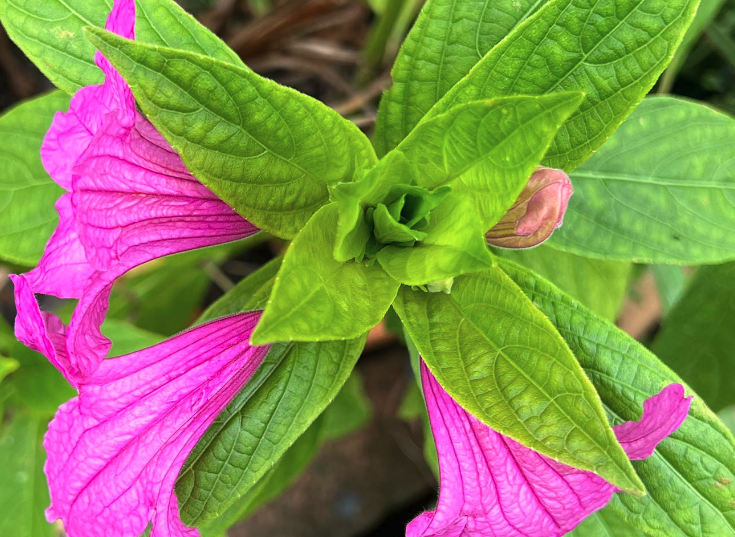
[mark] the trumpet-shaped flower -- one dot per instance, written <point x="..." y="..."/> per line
<point x="492" y="486"/>
<point x="130" y="199"/>
<point x="115" y="451"/>
<point x="537" y="212"/>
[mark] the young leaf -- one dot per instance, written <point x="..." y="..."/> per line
<point x="612" y="50"/>
<point x="501" y="359"/>
<point x="488" y="149"/>
<point x="454" y="244"/>
<point x="661" y="190"/>
<point x="50" y="33"/>
<point x="289" y="391"/>
<point x="244" y="296"/>
<point x="270" y="152"/>
<point x="599" y="285"/>
<point x="695" y="466"/>
<point x="24" y="495"/>
<point x="316" y="298"/>
<point x="697" y="339"/>
<point x="27" y="193"/>
<point x="352" y="199"/>
<point x="448" y="39"/>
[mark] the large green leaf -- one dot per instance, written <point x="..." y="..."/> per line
<point x="316" y="298"/>
<point x="50" y="33"/>
<point x="612" y="50"/>
<point x="27" y="193"/>
<point x="23" y="495"/>
<point x="493" y="145"/>
<point x="293" y="462"/>
<point x="606" y="523"/>
<point x="289" y="391"/>
<point x="690" y="478"/>
<point x="698" y="336"/>
<point x="501" y="359"/>
<point x="268" y="151"/>
<point x="349" y="411"/>
<point x="661" y="190"/>
<point x="599" y="285"/>
<point x="448" y="39"/>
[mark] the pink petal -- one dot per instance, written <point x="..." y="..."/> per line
<point x="71" y="132"/>
<point x="63" y="270"/>
<point x="115" y="451"/>
<point x="132" y="201"/>
<point x="492" y="486"/>
<point x="42" y="332"/>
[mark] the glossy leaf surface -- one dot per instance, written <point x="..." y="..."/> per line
<point x="695" y="466"/>
<point x="269" y="151"/>
<point x="501" y="359"/>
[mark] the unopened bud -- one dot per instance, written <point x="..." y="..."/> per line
<point x="537" y="212"/>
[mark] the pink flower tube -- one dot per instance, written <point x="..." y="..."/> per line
<point x="492" y="486"/>
<point x="115" y="451"/>
<point x="130" y="200"/>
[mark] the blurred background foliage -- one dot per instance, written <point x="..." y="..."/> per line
<point x="361" y="469"/>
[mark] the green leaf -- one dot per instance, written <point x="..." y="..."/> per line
<point x="7" y="366"/>
<point x="501" y="359"/>
<point x="249" y="294"/>
<point x="599" y="285"/>
<point x="164" y="296"/>
<point x="27" y="193"/>
<point x="127" y="338"/>
<point x="690" y="478"/>
<point x="349" y="411"/>
<point x="24" y="495"/>
<point x="316" y="298"/>
<point x="352" y="200"/>
<point x="612" y="50"/>
<point x="697" y="338"/>
<point x="37" y="384"/>
<point x="50" y="33"/>
<point x="670" y="283"/>
<point x="454" y="245"/>
<point x="662" y="190"/>
<point x="606" y="523"/>
<point x="448" y="39"/>
<point x="270" y="152"/>
<point x="493" y="145"/>
<point x="706" y="13"/>
<point x="273" y="483"/>
<point x="293" y="385"/>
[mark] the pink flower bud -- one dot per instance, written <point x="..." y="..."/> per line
<point x="537" y="212"/>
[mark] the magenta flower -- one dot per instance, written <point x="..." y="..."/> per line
<point x="115" y="451"/>
<point x="537" y="212"/>
<point x="492" y="486"/>
<point x="130" y="200"/>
